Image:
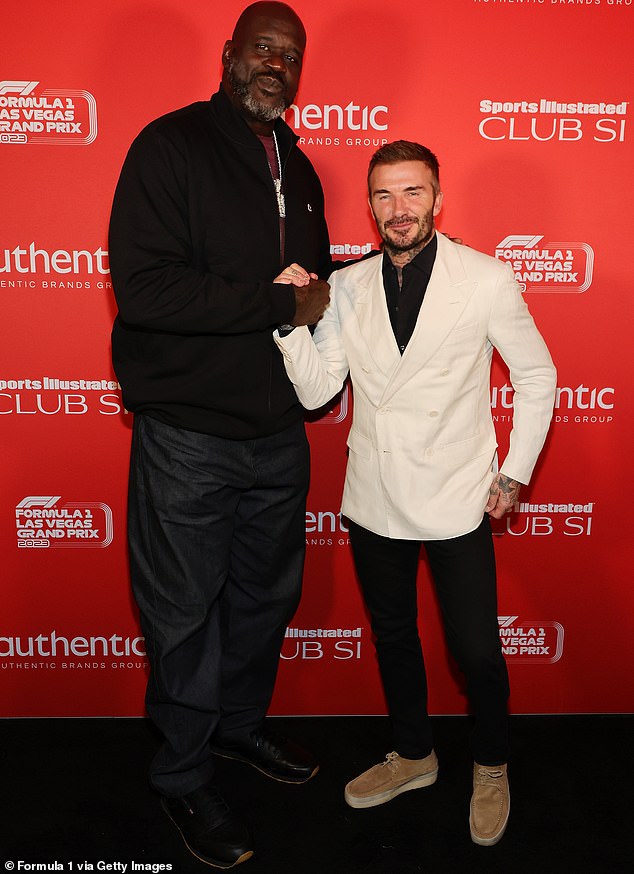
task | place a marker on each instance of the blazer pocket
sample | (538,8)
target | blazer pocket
(461,334)
(359,444)
(457,454)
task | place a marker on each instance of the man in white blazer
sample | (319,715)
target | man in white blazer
(416,327)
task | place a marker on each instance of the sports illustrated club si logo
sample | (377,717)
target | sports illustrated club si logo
(314,644)
(52,396)
(30,114)
(350,250)
(543,520)
(531,642)
(548,119)
(43,522)
(547,267)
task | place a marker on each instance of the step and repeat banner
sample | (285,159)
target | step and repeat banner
(528,104)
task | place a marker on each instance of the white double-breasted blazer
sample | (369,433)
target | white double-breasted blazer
(422,445)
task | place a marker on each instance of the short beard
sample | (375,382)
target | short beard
(257,110)
(415,246)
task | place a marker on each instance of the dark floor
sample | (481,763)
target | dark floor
(75,791)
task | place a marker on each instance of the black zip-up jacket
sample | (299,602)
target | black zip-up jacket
(194,246)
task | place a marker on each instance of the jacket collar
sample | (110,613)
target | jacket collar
(235,127)
(447,294)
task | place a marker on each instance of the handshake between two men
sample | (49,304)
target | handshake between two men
(312,295)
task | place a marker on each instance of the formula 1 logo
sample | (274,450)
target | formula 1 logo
(547,267)
(50,116)
(531,642)
(10,86)
(42,522)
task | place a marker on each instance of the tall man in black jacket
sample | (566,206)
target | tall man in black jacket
(213,201)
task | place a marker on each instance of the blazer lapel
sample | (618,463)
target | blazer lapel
(447,295)
(374,320)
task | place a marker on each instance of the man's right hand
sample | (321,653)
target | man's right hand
(310,302)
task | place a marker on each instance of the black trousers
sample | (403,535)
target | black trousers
(217,537)
(463,570)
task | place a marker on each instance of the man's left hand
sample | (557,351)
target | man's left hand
(503,495)
(295,275)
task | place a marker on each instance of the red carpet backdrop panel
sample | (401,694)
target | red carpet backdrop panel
(528,106)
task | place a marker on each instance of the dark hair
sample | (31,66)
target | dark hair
(404,150)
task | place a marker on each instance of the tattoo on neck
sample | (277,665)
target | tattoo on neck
(401,259)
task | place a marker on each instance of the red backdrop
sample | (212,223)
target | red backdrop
(528,105)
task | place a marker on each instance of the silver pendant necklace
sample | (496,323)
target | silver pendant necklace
(281,204)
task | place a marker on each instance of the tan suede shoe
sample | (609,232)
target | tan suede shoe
(490,804)
(385,781)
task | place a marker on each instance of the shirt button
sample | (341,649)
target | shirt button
(445,371)
(429,452)
(433,413)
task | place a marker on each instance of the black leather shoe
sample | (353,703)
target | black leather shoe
(271,754)
(210,830)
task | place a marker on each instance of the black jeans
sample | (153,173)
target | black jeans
(217,539)
(463,570)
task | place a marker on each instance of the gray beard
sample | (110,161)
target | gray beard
(257,110)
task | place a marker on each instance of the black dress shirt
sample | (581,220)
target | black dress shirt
(404,303)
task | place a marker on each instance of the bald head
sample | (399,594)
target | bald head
(262,63)
(267,9)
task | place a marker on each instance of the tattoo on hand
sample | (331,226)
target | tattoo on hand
(509,488)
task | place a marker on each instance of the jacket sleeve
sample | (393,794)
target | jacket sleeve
(316,365)
(513,333)
(157,284)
